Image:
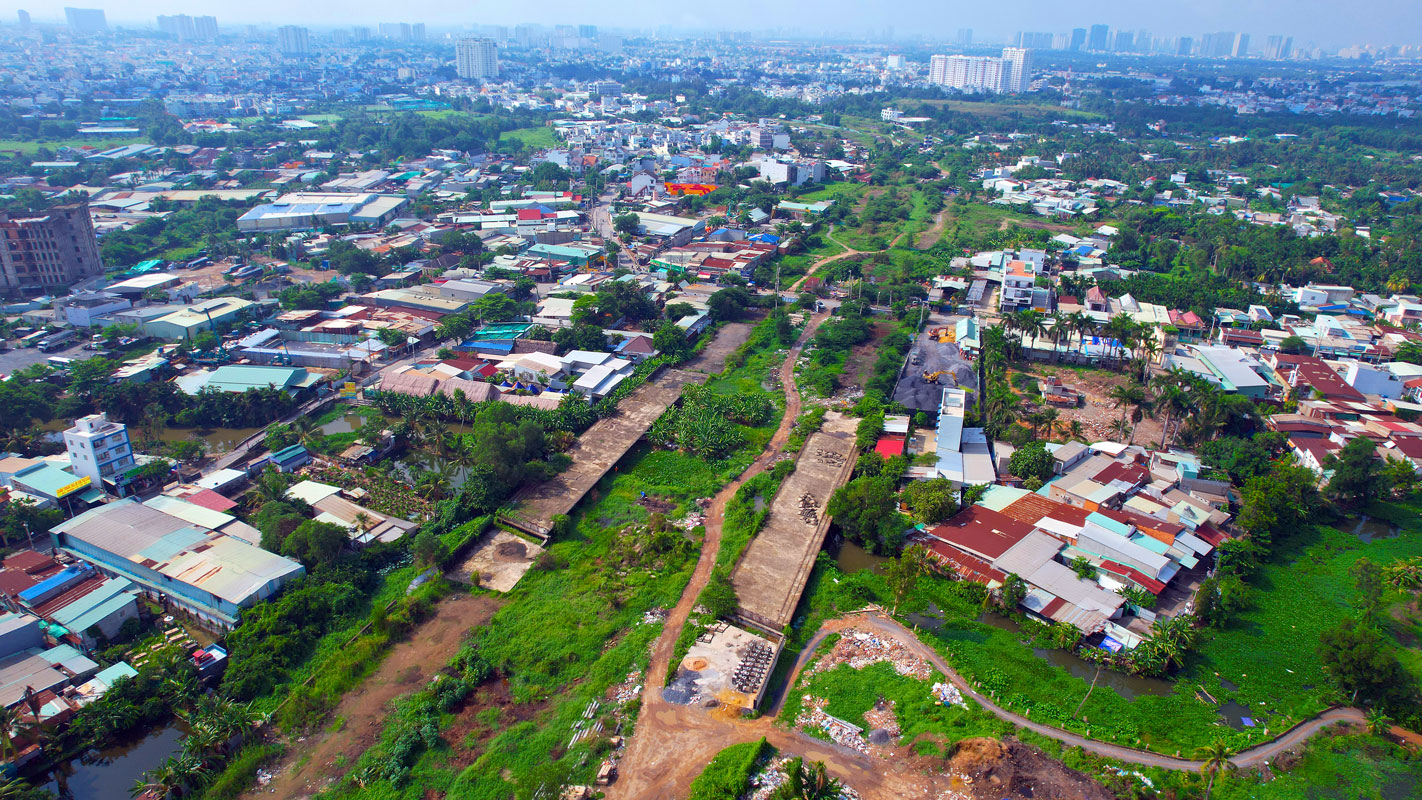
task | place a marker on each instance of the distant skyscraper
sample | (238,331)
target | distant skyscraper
(417,31)
(1078,39)
(399,31)
(24,19)
(206,27)
(965,36)
(1016,70)
(1035,41)
(1097,40)
(178,25)
(1277,47)
(293,40)
(360,33)
(84,21)
(1124,42)
(587,31)
(476,59)
(1185,46)
(1241,46)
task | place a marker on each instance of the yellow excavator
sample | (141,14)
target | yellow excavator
(932,377)
(944,335)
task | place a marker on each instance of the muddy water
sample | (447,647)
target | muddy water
(1128,686)
(1368,529)
(109,774)
(219,440)
(852,558)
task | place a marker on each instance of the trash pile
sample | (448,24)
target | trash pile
(764,783)
(628,690)
(809,509)
(948,695)
(690,521)
(859,649)
(263,777)
(654,615)
(839,731)
(882,718)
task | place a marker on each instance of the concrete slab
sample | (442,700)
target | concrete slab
(600,447)
(771,575)
(497,561)
(728,664)
(712,360)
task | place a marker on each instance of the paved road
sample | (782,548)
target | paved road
(1247,758)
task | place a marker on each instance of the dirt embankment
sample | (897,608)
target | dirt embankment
(325,757)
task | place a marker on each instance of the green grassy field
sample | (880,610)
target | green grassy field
(834,191)
(533,137)
(1344,767)
(981,109)
(30,147)
(1268,654)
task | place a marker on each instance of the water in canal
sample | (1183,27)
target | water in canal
(852,558)
(109,774)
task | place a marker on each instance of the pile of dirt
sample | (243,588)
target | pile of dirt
(993,770)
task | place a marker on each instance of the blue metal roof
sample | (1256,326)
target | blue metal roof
(53,582)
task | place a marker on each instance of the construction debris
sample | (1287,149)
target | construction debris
(948,695)
(809,509)
(840,732)
(859,649)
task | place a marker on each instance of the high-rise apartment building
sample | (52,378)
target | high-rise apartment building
(1016,70)
(85,21)
(399,31)
(968,73)
(1278,47)
(360,33)
(1098,38)
(98,448)
(24,17)
(293,40)
(1034,40)
(1185,46)
(1078,39)
(1241,46)
(476,59)
(1123,42)
(187,28)
(587,31)
(965,36)
(48,249)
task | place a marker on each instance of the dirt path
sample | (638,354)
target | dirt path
(848,251)
(1247,758)
(931,236)
(650,754)
(307,769)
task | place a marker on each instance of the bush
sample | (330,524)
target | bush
(729,773)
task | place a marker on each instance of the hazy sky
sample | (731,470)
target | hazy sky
(1326,22)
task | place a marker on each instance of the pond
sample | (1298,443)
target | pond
(1367,529)
(109,774)
(852,558)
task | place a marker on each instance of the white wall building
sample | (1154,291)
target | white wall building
(98,448)
(476,59)
(1017,69)
(968,73)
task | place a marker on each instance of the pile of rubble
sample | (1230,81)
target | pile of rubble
(840,732)
(859,649)
(690,521)
(882,718)
(653,616)
(809,509)
(948,695)
(628,690)
(772,776)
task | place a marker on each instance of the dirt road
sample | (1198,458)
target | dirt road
(646,769)
(1247,758)
(324,757)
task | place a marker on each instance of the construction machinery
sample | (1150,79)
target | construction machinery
(932,377)
(944,335)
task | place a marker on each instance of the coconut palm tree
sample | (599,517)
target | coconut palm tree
(807,782)
(1214,757)
(364,522)
(1076,431)
(8,720)
(1126,397)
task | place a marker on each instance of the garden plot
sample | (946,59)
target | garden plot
(498,560)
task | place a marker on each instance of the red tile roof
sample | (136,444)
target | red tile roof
(1136,576)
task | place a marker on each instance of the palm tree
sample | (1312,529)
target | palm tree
(1082,323)
(1125,397)
(271,486)
(8,720)
(1214,757)
(1030,323)
(363,521)
(1076,431)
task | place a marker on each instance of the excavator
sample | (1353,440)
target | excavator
(932,377)
(944,335)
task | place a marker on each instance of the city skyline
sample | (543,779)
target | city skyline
(1385,23)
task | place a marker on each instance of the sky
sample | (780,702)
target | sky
(1327,23)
